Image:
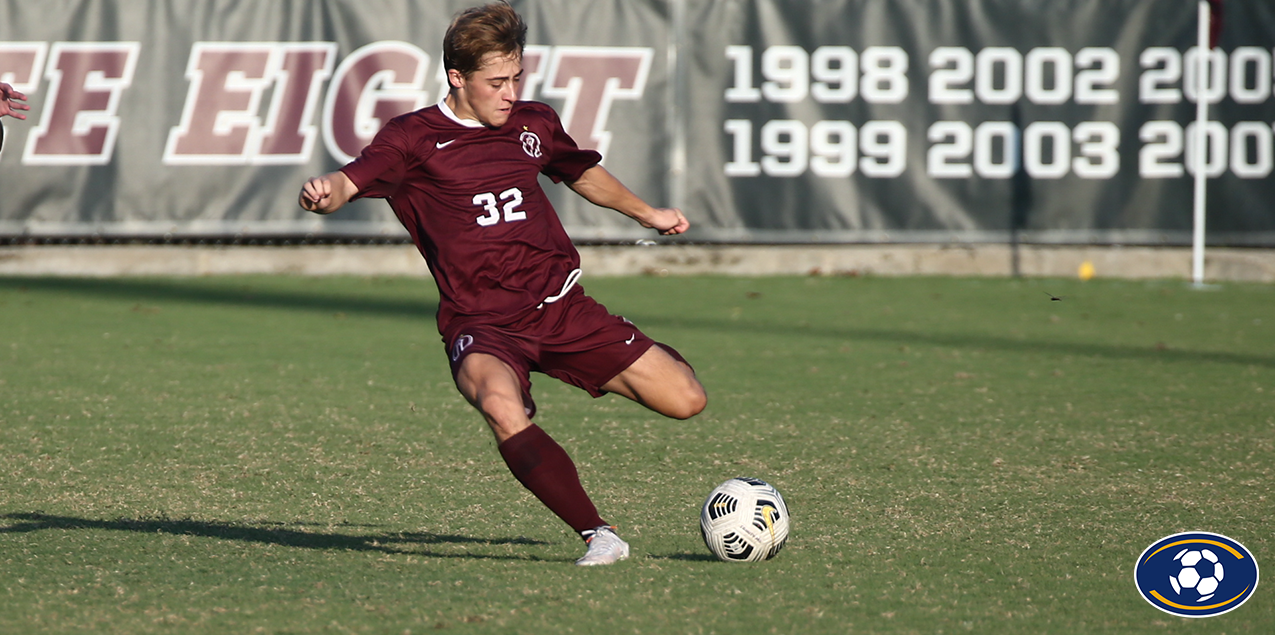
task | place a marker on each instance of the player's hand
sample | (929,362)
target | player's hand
(11,102)
(328,193)
(667,220)
(316,194)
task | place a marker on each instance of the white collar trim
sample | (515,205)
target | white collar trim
(469,123)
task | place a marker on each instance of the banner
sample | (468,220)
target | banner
(1061,121)
(184,118)
(1050,121)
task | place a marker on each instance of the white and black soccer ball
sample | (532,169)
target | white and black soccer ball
(1201,571)
(744,520)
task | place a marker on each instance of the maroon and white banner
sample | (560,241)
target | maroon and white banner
(194,117)
(767,120)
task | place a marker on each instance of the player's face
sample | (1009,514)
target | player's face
(489,93)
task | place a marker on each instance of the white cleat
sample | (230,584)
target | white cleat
(605,547)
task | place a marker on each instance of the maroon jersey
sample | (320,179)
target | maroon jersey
(470,198)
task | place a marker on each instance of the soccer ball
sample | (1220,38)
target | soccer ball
(1200,571)
(744,520)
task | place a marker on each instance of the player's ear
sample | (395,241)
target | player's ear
(455,78)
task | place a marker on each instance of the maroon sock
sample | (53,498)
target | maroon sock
(544,468)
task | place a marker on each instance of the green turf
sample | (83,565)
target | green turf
(288,455)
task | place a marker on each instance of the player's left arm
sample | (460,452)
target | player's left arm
(600,187)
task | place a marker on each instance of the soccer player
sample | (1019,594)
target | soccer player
(462,177)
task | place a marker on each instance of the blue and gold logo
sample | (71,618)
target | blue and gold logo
(1196,574)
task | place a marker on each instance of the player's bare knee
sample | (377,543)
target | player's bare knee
(505,416)
(500,406)
(691,402)
(505,430)
(698,400)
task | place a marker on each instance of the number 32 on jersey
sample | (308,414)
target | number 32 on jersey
(512,198)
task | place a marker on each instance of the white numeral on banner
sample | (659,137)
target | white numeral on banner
(1002,75)
(741,164)
(839,74)
(784,142)
(836,71)
(512,198)
(1100,70)
(993,144)
(833,144)
(787,73)
(1099,143)
(998,63)
(1169,151)
(1254,62)
(743,91)
(1163,141)
(1251,150)
(953,141)
(995,149)
(830,149)
(944,80)
(885,148)
(885,79)
(1164,67)
(1055,147)
(1170,76)
(1047,150)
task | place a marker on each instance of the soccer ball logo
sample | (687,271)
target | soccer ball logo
(744,520)
(1201,571)
(1196,574)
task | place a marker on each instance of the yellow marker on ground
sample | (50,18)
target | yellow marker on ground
(1086,270)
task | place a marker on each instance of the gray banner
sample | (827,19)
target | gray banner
(767,120)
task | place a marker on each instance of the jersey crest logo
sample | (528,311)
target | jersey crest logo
(530,144)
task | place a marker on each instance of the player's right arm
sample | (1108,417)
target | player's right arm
(328,193)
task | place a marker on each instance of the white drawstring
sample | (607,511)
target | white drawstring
(572,278)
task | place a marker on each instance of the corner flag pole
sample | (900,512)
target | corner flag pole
(1201,142)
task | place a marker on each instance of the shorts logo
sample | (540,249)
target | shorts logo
(530,144)
(460,345)
(1196,574)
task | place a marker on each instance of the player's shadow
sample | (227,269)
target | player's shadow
(685,557)
(296,535)
(228,292)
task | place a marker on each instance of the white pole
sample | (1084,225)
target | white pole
(1201,142)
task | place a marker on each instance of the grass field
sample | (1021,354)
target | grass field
(288,455)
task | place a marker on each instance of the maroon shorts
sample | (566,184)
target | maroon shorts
(575,340)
